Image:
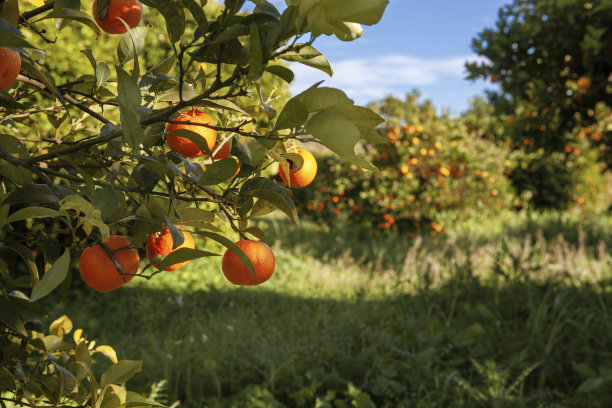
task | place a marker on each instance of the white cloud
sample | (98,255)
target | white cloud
(365,79)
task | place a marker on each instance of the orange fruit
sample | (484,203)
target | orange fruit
(98,270)
(10,67)
(162,242)
(223,152)
(494,77)
(583,82)
(183,145)
(261,257)
(303,176)
(129,11)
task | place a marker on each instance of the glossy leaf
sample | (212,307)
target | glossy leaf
(282,72)
(175,19)
(182,255)
(129,99)
(268,190)
(219,171)
(36,194)
(120,372)
(33,212)
(10,317)
(293,115)
(53,277)
(231,246)
(308,55)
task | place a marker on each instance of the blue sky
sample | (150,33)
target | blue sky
(420,44)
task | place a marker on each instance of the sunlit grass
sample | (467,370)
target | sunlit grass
(510,311)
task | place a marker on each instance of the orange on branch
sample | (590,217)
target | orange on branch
(261,257)
(129,11)
(184,146)
(99,271)
(583,82)
(161,243)
(9,67)
(303,176)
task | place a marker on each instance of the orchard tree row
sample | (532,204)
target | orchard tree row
(163,123)
(551,63)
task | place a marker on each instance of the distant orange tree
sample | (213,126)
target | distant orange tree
(552,63)
(432,169)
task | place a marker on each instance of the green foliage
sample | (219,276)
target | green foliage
(431,169)
(552,62)
(59,368)
(83,152)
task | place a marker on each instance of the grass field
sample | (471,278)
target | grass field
(514,311)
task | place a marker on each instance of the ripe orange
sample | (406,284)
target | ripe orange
(261,257)
(128,10)
(183,145)
(10,67)
(161,243)
(583,82)
(98,270)
(303,176)
(494,77)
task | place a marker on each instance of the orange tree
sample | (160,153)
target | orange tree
(552,62)
(84,160)
(432,169)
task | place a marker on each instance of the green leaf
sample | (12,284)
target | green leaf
(26,254)
(268,190)
(194,137)
(256,232)
(198,15)
(262,207)
(335,132)
(282,72)
(231,246)
(60,12)
(177,235)
(67,379)
(10,317)
(106,200)
(358,115)
(14,173)
(7,101)
(121,372)
(43,77)
(223,104)
(129,99)
(32,212)
(163,67)
(316,99)
(256,66)
(308,55)
(53,278)
(182,255)
(196,215)
(371,135)
(36,194)
(135,37)
(219,171)
(175,19)
(293,115)
(11,37)
(144,178)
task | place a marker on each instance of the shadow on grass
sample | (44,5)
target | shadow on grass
(468,342)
